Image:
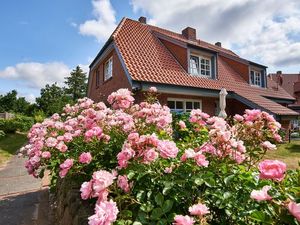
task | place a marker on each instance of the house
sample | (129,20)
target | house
(188,73)
(290,82)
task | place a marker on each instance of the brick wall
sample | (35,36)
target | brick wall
(117,81)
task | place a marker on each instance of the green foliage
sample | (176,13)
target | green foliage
(52,100)
(76,84)
(12,103)
(39,116)
(18,123)
(2,133)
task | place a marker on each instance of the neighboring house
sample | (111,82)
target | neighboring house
(188,73)
(290,83)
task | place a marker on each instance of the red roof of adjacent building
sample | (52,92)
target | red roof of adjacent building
(147,59)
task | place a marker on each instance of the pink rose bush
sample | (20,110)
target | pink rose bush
(141,164)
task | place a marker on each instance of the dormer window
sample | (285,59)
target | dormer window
(256,78)
(200,65)
(108,69)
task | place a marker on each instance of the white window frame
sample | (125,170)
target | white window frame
(257,79)
(199,69)
(108,67)
(183,100)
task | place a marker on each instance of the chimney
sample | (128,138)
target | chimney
(189,33)
(218,44)
(143,19)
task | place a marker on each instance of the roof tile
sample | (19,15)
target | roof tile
(147,59)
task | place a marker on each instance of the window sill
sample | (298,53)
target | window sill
(107,80)
(256,86)
(201,76)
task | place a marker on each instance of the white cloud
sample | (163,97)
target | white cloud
(265,31)
(36,75)
(28,96)
(104,23)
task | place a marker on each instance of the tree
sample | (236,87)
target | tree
(7,101)
(76,83)
(52,100)
(12,103)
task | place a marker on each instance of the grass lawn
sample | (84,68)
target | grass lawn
(288,153)
(10,144)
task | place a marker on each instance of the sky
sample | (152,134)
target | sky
(42,41)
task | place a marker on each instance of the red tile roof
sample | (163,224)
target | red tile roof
(147,59)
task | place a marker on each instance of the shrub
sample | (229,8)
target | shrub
(2,133)
(295,135)
(139,169)
(18,123)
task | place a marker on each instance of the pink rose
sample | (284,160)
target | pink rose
(272,169)
(85,157)
(51,142)
(105,213)
(123,183)
(168,170)
(86,190)
(198,210)
(183,220)
(61,146)
(294,209)
(65,167)
(261,195)
(46,155)
(101,180)
(167,149)
(181,124)
(238,117)
(201,160)
(152,89)
(268,145)
(150,155)
(188,154)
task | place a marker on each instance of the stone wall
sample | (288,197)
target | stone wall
(68,207)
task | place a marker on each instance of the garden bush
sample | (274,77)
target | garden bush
(2,133)
(138,165)
(18,123)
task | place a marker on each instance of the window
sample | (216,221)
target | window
(183,105)
(256,78)
(108,69)
(200,65)
(97,78)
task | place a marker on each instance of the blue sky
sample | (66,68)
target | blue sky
(41,41)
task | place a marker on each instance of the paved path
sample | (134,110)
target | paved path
(21,195)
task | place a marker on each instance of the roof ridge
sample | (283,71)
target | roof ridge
(197,40)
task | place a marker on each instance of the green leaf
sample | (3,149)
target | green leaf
(228,179)
(167,206)
(199,181)
(147,207)
(226,195)
(137,223)
(159,199)
(258,216)
(210,182)
(156,214)
(130,175)
(162,222)
(142,217)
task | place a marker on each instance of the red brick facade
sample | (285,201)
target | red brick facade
(105,88)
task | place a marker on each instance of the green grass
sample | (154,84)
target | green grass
(9,144)
(288,153)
